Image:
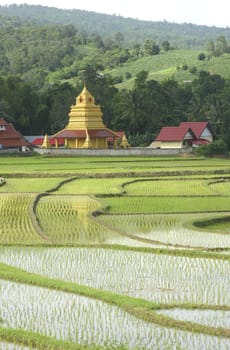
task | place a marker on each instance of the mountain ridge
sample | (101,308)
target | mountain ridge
(135,31)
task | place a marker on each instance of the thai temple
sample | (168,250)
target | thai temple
(85,128)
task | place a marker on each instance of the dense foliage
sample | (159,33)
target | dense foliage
(133,30)
(43,66)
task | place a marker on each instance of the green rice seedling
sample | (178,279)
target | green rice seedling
(221,187)
(168,187)
(40,165)
(213,318)
(86,321)
(26,184)
(93,186)
(136,205)
(155,277)
(64,219)
(15,224)
(171,229)
(218,223)
(11,346)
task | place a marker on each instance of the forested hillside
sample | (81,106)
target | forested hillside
(134,31)
(135,69)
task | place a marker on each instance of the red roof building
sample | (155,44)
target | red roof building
(202,130)
(38,141)
(187,134)
(9,137)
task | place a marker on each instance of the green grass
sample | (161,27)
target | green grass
(37,341)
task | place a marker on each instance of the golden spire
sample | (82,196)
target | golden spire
(87,143)
(85,114)
(124,142)
(46,142)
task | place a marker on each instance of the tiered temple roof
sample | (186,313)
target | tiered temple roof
(86,128)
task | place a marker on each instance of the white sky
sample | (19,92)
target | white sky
(208,12)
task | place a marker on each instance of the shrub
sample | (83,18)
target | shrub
(201,56)
(218,147)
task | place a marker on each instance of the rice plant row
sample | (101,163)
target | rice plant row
(213,318)
(91,165)
(93,186)
(15,223)
(11,346)
(85,321)
(222,187)
(138,205)
(155,277)
(29,184)
(65,219)
(172,229)
(169,187)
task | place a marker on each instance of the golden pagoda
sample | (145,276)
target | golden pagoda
(85,128)
(46,142)
(124,142)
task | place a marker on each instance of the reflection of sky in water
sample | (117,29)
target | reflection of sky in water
(211,318)
(169,229)
(9,346)
(84,320)
(156,277)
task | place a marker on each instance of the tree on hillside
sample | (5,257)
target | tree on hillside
(151,48)
(207,102)
(220,46)
(166,45)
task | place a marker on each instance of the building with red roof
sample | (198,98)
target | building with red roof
(186,135)
(202,130)
(10,137)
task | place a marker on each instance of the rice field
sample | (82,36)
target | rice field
(15,223)
(152,230)
(65,219)
(85,321)
(168,187)
(171,229)
(15,185)
(11,346)
(208,317)
(155,277)
(141,205)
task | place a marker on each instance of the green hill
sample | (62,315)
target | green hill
(134,31)
(176,64)
(47,45)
